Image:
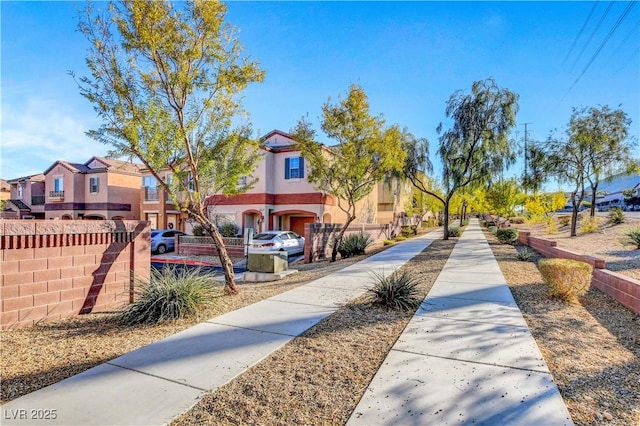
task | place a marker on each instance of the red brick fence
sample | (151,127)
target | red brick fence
(56,269)
(625,290)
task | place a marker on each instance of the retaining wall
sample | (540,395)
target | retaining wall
(624,289)
(203,246)
(56,269)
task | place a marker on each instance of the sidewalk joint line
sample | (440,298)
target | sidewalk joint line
(253,329)
(156,376)
(474,362)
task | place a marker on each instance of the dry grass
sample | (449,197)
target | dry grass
(592,348)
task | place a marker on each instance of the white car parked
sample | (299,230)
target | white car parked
(287,241)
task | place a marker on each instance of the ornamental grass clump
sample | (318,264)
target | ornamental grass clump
(525,253)
(616,216)
(354,244)
(632,238)
(507,235)
(566,279)
(589,224)
(396,291)
(454,231)
(168,295)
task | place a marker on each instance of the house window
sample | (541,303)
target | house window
(150,188)
(58,184)
(294,168)
(94,185)
(20,191)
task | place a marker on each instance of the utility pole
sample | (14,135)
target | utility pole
(525,151)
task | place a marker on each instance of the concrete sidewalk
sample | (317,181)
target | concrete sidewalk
(158,382)
(466,357)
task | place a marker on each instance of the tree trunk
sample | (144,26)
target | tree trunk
(574,214)
(338,240)
(594,189)
(225,260)
(446,220)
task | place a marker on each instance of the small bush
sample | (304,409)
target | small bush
(493,229)
(566,279)
(564,220)
(454,231)
(408,230)
(354,244)
(198,230)
(589,224)
(400,238)
(228,229)
(396,291)
(518,220)
(551,226)
(507,235)
(525,253)
(387,242)
(632,238)
(168,295)
(616,216)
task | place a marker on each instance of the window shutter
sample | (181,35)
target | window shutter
(286,168)
(301,167)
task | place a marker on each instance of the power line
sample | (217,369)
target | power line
(613,30)
(626,38)
(604,15)
(593,8)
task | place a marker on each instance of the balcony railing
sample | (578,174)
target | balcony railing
(56,194)
(37,200)
(151,193)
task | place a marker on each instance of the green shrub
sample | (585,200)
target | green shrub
(525,253)
(518,220)
(408,230)
(228,229)
(507,235)
(589,224)
(198,230)
(632,238)
(616,215)
(454,231)
(396,291)
(400,238)
(493,229)
(566,279)
(354,244)
(387,242)
(168,295)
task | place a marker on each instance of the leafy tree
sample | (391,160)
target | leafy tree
(475,148)
(604,134)
(420,203)
(364,154)
(504,196)
(165,80)
(539,206)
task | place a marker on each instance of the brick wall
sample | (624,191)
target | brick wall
(318,237)
(625,290)
(56,269)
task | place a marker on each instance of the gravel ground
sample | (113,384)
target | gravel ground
(319,377)
(592,349)
(605,243)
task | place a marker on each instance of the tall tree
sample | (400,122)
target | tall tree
(363,154)
(503,196)
(604,133)
(476,147)
(165,79)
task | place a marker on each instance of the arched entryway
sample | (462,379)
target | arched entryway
(252,219)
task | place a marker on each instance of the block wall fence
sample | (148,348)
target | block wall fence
(625,290)
(56,269)
(318,237)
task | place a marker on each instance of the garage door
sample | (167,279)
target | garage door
(297,224)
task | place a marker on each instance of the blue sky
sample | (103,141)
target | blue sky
(408,56)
